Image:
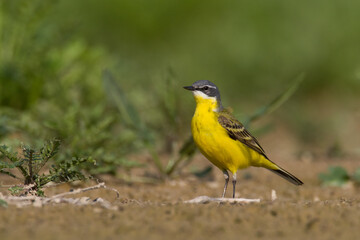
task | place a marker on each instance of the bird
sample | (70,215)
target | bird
(224,140)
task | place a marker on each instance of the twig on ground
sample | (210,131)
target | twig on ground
(59,198)
(206,199)
(52,184)
(80,190)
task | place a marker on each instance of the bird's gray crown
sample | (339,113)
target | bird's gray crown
(202,83)
(208,88)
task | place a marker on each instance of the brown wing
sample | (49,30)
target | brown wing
(238,132)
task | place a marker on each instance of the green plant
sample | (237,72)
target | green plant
(51,88)
(31,161)
(338,176)
(89,131)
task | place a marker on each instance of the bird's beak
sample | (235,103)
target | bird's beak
(190,88)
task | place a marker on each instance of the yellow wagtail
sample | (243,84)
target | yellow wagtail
(223,140)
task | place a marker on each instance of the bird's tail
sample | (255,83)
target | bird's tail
(286,175)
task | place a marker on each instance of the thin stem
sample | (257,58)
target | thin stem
(155,158)
(31,166)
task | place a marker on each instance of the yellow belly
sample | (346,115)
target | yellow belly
(215,144)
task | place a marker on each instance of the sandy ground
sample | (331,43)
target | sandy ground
(157,211)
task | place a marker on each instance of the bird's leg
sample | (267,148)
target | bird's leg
(234,183)
(226,176)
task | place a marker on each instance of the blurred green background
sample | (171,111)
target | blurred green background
(53,55)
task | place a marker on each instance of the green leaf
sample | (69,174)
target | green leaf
(49,149)
(66,171)
(277,102)
(116,94)
(186,153)
(336,176)
(15,190)
(8,173)
(40,193)
(3,203)
(47,152)
(356,176)
(14,159)
(169,99)
(10,155)
(128,112)
(6,165)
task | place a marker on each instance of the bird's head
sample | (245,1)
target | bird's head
(205,90)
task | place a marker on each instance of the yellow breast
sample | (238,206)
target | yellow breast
(214,142)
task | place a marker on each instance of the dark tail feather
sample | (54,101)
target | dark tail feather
(288,176)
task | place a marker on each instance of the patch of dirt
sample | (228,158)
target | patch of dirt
(157,211)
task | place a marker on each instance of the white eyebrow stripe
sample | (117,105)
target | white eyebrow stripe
(209,86)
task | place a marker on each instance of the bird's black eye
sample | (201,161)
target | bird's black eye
(205,88)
